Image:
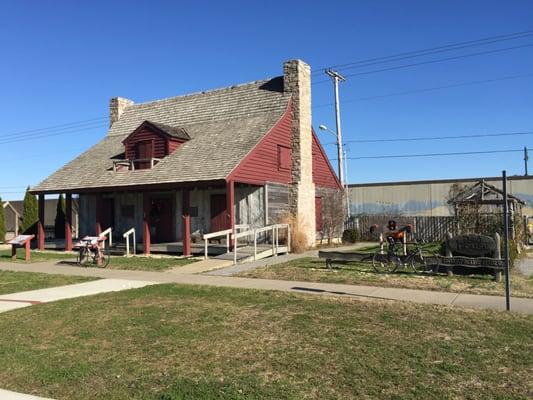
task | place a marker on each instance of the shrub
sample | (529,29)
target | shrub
(30,213)
(59,223)
(350,236)
(298,237)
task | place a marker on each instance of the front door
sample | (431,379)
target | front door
(318,214)
(219,221)
(108,213)
(161,220)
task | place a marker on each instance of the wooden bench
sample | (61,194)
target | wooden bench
(343,255)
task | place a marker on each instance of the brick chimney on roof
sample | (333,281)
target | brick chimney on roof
(117,105)
(297,82)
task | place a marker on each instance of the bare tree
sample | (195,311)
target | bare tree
(333,214)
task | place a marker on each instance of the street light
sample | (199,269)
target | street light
(343,168)
(339,151)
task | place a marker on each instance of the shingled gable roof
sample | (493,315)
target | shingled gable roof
(175,132)
(224,126)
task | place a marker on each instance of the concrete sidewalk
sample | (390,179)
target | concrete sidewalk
(24,299)
(417,296)
(8,395)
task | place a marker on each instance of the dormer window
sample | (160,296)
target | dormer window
(149,144)
(144,153)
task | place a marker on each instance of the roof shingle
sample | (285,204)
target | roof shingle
(224,126)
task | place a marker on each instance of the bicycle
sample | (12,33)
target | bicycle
(92,252)
(390,261)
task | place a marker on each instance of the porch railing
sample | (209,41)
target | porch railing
(226,232)
(109,236)
(127,236)
(130,164)
(274,229)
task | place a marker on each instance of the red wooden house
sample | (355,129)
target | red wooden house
(203,162)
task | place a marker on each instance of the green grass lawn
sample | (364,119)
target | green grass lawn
(117,262)
(170,342)
(35,256)
(359,273)
(12,282)
(148,263)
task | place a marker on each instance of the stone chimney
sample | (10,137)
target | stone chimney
(297,82)
(117,105)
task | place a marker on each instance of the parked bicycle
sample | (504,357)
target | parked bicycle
(391,260)
(92,252)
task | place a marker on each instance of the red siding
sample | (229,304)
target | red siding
(173,144)
(159,147)
(163,146)
(261,164)
(318,214)
(323,174)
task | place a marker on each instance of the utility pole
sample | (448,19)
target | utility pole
(346,185)
(336,79)
(526,158)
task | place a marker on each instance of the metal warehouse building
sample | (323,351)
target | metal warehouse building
(426,197)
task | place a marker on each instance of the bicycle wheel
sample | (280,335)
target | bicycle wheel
(84,257)
(385,263)
(418,262)
(106,257)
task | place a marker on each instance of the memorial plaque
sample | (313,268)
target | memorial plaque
(472,245)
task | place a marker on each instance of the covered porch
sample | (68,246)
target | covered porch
(163,219)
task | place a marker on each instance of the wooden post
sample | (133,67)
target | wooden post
(26,250)
(99,206)
(186,215)
(40,224)
(146,223)
(68,221)
(230,207)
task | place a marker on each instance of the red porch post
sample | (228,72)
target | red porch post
(40,223)
(146,222)
(68,222)
(230,208)
(99,206)
(186,236)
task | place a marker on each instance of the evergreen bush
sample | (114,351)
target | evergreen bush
(2,223)
(59,223)
(30,214)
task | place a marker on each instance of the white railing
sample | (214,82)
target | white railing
(207,236)
(127,236)
(226,233)
(130,164)
(255,232)
(109,236)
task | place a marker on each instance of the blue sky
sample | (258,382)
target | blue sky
(62,61)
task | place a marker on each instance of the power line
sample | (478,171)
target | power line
(57,127)
(432,61)
(429,51)
(469,83)
(429,138)
(46,135)
(436,154)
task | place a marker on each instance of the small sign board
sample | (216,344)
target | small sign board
(472,245)
(487,262)
(21,240)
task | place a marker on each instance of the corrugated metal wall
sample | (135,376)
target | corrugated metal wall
(425,197)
